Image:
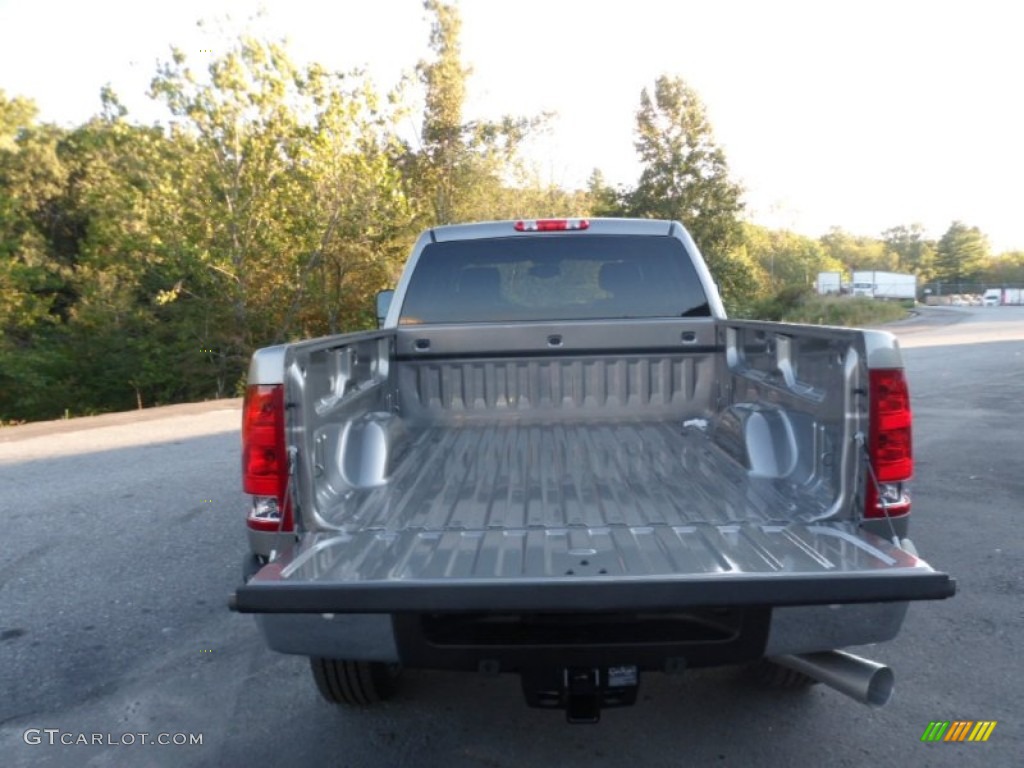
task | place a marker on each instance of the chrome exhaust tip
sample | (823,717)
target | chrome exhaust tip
(866,681)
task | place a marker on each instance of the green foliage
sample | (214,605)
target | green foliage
(461,171)
(910,251)
(1006,269)
(773,306)
(856,252)
(961,254)
(16,115)
(845,311)
(797,304)
(141,265)
(604,200)
(786,258)
(685,177)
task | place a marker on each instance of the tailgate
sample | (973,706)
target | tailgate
(655,567)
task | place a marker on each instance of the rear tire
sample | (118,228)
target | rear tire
(251,566)
(354,683)
(776,676)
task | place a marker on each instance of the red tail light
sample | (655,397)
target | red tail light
(550,225)
(890,445)
(264,458)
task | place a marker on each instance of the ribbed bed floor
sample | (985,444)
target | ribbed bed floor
(528,503)
(551,476)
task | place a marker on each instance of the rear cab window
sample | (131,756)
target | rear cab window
(553,277)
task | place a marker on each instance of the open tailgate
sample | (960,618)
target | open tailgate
(611,568)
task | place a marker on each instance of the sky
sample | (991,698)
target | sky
(863,115)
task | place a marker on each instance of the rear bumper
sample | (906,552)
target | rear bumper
(373,637)
(360,637)
(266,543)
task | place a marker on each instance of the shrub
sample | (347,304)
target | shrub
(801,305)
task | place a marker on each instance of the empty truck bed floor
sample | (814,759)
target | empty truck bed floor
(571,516)
(509,476)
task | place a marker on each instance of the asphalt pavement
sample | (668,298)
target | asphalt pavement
(123,537)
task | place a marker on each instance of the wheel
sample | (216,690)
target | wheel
(355,683)
(777,676)
(251,565)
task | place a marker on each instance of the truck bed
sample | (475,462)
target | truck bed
(507,477)
(618,515)
(612,480)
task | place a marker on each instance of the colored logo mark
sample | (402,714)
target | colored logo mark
(958,730)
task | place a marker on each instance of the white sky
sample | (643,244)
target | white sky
(859,114)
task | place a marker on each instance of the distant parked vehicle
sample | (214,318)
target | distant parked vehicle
(830,283)
(1004,296)
(884,285)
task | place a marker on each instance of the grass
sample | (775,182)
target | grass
(802,306)
(853,312)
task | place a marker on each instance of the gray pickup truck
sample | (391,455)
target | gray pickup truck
(557,458)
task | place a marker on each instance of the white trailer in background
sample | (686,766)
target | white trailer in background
(884,285)
(829,282)
(1011,296)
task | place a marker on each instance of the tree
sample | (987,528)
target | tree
(685,177)
(236,137)
(16,115)
(605,200)
(444,79)
(857,252)
(788,259)
(1006,269)
(37,256)
(362,220)
(463,168)
(129,347)
(141,265)
(291,211)
(961,255)
(910,251)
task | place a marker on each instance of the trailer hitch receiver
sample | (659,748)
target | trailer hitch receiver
(582,691)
